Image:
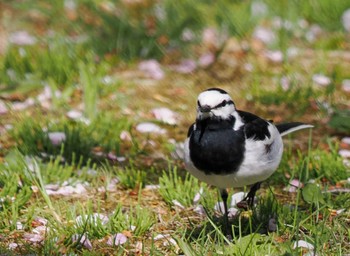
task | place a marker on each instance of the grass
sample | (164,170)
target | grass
(106,179)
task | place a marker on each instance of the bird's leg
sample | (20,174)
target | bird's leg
(248,201)
(228,231)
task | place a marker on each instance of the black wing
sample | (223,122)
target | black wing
(247,117)
(255,127)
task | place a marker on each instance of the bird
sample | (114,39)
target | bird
(230,148)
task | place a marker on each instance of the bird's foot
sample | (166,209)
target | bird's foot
(248,201)
(243,205)
(229,237)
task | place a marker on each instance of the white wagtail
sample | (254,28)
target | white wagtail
(227,147)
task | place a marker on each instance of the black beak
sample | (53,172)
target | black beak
(205,108)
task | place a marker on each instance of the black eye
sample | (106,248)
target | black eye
(198,104)
(224,103)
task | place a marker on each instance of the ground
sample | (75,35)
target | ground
(96,100)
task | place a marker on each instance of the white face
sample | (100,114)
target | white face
(215,102)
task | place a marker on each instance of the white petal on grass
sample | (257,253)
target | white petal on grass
(179,152)
(22,38)
(18,106)
(161,236)
(210,38)
(346,20)
(265,35)
(236,198)
(117,239)
(34,188)
(293,52)
(345,85)
(56,138)
(303,244)
(112,185)
(167,237)
(219,207)
(93,219)
(152,69)
(232,212)
(12,246)
(197,196)
(152,187)
(340,211)
(114,157)
(293,186)
(187,35)
(178,204)
(186,66)
(75,114)
(206,59)
(8,127)
(125,135)
(285,83)
(165,115)
(312,34)
(274,56)
(19,225)
(346,163)
(321,80)
(83,240)
(345,140)
(40,230)
(259,8)
(53,187)
(46,94)
(345,153)
(248,67)
(34,238)
(3,108)
(67,190)
(41,220)
(148,127)
(199,209)
(78,116)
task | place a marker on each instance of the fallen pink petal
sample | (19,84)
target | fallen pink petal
(75,114)
(152,69)
(3,108)
(34,238)
(237,197)
(206,60)
(117,239)
(346,85)
(345,153)
(22,38)
(303,244)
(346,20)
(150,128)
(274,56)
(83,240)
(321,80)
(12,246)
(57,138)
(186,66)
(166,115)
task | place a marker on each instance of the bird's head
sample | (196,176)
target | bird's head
(214,103)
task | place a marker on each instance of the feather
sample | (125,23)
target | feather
(287,128)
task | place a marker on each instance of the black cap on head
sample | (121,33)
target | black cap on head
(217,89)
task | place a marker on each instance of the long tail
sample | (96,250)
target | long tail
(292,127)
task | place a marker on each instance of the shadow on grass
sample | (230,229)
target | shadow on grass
(261,219)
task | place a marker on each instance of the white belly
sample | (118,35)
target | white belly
(256,166)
